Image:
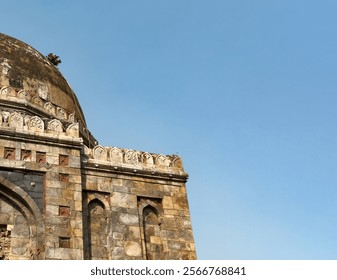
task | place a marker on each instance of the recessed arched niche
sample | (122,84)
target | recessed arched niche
(97,230)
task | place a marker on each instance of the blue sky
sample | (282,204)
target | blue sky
(243,91)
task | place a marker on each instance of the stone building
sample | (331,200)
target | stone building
(64,196)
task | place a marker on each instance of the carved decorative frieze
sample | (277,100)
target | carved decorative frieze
(7,91)
(41,99)
(176,162)
(24,95)
(116,155)
(36,124)
(55,125)
(73,130)
(99,153)
(162,160)
(50,108)
(72,118)
(147,158)
(15,120)
(61,113)
(33,124)
(38,101)
(131,157)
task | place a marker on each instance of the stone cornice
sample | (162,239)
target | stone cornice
(134,171)
(40,138)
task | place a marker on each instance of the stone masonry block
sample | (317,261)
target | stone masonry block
(52,210)
(167,202)
(123,200)
(128,219)
(133,249)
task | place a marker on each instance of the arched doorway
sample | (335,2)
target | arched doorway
(21,225)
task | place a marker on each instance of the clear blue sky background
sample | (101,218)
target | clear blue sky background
(244,91)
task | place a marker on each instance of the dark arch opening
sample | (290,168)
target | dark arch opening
(29,229)
(152,234)
(97,230)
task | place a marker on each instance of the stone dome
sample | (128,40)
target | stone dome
(26,71)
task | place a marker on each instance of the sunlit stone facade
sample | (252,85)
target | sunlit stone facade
(64,196)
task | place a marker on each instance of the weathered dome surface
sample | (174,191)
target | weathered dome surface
(22,68)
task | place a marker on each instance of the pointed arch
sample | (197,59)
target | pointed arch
(19,200)
(152,233)
(97,225)
(150,211)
